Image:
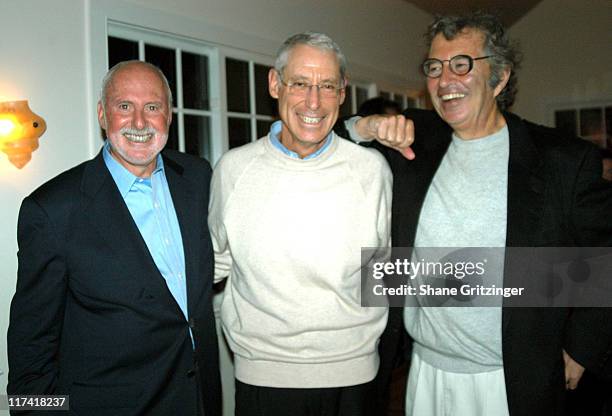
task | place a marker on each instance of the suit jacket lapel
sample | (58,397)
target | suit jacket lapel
(526,187)
(185,199)
(111,218)
(113,221)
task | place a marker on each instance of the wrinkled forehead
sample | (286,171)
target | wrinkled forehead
(306,60)
(136,79)
(468,41)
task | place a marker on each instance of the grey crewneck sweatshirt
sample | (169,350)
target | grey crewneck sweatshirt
(465,206)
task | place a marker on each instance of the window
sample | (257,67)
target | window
(356,94)
(250,108)
(403,100)
(591,122)
(188,66)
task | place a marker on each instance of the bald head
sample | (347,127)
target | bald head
(107,81)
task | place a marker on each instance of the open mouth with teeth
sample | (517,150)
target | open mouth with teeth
(138,138)
(310,120)
(452,96)
(138,135)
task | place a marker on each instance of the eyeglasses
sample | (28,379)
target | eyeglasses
(460,65)
(301,88)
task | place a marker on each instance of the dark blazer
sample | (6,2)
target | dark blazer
(556,197)
(92,316)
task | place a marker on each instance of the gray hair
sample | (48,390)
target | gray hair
(110,75)
(316,40)
(504,53)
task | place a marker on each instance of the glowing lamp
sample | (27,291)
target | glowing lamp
(20,129)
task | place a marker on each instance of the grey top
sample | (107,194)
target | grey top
(465,206)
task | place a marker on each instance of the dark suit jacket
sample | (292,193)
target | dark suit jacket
(556,198)
(92,316)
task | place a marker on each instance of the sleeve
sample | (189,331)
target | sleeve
(352,134)
(37,308)
(216,224)
(589,332)
(384,214)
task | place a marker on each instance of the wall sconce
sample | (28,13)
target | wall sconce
(20,129)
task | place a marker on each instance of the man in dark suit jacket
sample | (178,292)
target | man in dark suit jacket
(553,194)
(113,300)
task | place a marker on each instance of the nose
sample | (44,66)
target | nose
(447,75)
(313,99)
(139,119)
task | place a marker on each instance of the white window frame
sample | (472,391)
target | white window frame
(251,58)
(146,36)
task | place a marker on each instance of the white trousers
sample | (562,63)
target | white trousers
(433,392)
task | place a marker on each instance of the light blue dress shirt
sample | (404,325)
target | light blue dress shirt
(275,130)
(150,204)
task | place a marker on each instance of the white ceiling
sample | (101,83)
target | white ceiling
(509,11)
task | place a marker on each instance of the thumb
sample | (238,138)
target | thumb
(407,152)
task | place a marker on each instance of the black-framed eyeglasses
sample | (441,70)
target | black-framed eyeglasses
(301,88)
(460,65)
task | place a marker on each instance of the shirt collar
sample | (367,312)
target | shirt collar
(123,177)
(275,130)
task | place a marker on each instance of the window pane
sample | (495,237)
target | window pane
(121,50)
(362,95)
(173,134)
(164,59)
(346,108)
(197,136)
(263,127)
(195,81)
(239,130)
(237,78)
(264,103)
(591,125)
(566,121)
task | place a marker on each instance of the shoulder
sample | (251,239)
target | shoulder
(550,142)
(191,165)
(366,161)
(239,157)
(59,197)
(62,188)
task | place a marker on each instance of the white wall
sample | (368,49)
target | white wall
(42,60)
(566,46)
(52,53)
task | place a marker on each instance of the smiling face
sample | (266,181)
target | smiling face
(466,102)
(136,118)
(307,118)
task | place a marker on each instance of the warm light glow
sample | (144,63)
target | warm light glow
(20,129)
(6,127)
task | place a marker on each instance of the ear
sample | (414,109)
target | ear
(342,95)
(169,116)
(273,83)
(101,118)
(505,76)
